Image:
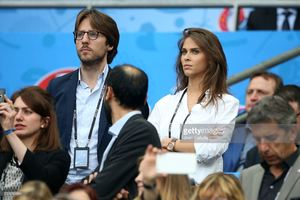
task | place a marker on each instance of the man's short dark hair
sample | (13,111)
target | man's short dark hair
(272,109)
(130,85)
(268,75)
(290,93)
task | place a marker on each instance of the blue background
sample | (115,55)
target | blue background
(35,42)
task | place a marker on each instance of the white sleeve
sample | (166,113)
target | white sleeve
(223,119)
(154,117)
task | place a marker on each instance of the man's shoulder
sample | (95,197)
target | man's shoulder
(61,79)
(139,121)
(59,84)
(138,125)
(252,170)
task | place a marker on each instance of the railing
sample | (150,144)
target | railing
(235,4)
(147,3)
(261,67)
(264,65)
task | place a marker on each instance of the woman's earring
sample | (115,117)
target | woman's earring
(42,126)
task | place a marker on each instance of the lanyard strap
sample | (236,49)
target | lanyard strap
(175,112)
(93,122)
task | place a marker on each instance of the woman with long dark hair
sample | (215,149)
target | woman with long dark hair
(200,116)
(30,148)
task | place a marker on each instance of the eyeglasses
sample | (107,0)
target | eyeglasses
(92,35)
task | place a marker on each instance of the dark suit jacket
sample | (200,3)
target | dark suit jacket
(251,179)
(50,167)
(266,19)
(120,168)
(231,157)
(63,89)
(252,157)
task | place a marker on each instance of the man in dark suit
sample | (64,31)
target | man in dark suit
(291,93)
(126,91)
(261,84)
(78,95)
(273,124)
(268,18)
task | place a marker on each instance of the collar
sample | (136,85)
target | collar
(287,163)
(115,129)
(281,11)
(103,74)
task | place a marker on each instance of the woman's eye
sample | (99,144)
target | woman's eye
(183,52)
(27,112)
(195,51)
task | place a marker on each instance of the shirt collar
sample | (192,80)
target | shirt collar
(281,11)
(118,125)
(102,74)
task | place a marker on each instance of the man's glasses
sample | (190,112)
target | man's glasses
(92,35)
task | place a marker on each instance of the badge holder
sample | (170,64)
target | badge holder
(81,157)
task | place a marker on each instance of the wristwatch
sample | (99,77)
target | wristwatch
(171,145)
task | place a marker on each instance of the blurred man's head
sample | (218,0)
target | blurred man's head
(272,122)
(129,85)
(127,88)
(291,93)
(261,84)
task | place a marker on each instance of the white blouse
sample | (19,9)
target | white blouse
(208,149)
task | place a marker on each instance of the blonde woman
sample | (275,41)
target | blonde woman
(34,190)
(219,186)
(157,186)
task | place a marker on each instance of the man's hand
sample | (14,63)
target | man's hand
(123,194)
(90,178)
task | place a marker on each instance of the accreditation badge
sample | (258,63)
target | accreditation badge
(81,157)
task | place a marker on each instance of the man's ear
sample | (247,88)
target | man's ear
(110,48)
(145,100)
(109,93)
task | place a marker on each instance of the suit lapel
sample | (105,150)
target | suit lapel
(70,100)
(103,136)
(289,181)
(257,179)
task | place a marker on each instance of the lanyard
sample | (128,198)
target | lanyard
(93,122)
(175,112)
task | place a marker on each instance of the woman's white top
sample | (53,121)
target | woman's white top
(209,146)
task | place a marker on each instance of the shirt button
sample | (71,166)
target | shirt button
(272,187)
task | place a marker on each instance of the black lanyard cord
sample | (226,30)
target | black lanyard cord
(183,123)
(175,112)
(94,118)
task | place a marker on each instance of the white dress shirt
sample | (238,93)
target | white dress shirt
(281,17)
(209,153)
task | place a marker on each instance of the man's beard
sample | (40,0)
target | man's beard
(108,111)
(90,61)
